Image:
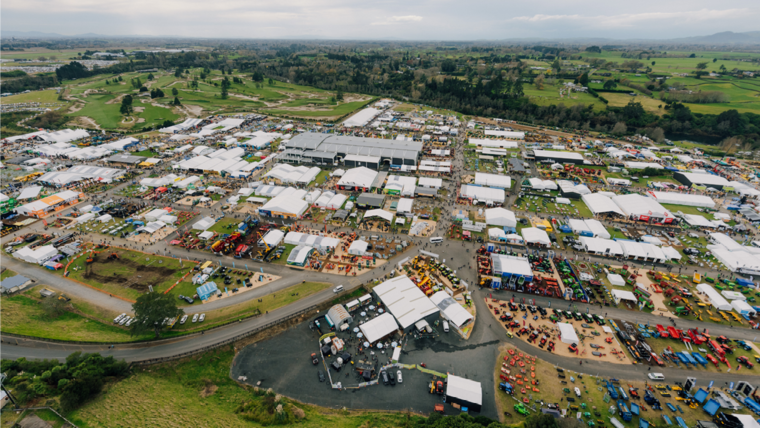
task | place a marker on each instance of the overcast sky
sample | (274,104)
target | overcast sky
(379,19)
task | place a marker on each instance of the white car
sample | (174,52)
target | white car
(203,317)
(129,322)
(656,376)
(195,317)
(577,392)
(119,318)
(124,320)
(183,319)
(399,379)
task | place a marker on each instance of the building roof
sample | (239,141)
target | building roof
(704,179)
(500,217)
(511,264)
(370,198)
(362,117)
(134,160)
(455,312)
(379,327)
(535,235)
(505,134)
(599,204)
(358,177)
(557,155)
(13,282)
(346,145)
(299,254)
(635,204)
(385,215)
(485,194)
(493,180)
(464,389)
(405,300)
(683,199)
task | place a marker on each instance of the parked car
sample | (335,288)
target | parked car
(399,378)
(202,317)
(321,376)
(183,319)
(195,318)
(384,376)
(314,359)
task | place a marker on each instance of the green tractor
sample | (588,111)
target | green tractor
(520,408)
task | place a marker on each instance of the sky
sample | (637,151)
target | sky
(383,19)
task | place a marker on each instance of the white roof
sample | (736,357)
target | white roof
(336,201)
(204,223)
(505,134)
(430,182)
(615,279)
(638,205)
(558,156)
(404,205)
(641,250)
(483,194)
(733,295)
(298,254)
(120,144)
(642,165)
(742,307)
(206,235)
(500,217)
(736,260)
(496,234)
(464,389)
(377,328)
(503,263)
(535,235)
(453,311)
(726,241)
(599,245)
(493,180)
(273,237)
(358,177)
(671,253)
(683,199)
(706,179)
(358,247)
(379,213)
(623,295)
(38,255)
(316,241)
(362,117)
(715,298)
(597,228)
(484,142)
(405,300)
(30,192)
(699,221)
(567,331)
(599,204)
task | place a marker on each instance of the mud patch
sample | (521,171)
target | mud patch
(126,273)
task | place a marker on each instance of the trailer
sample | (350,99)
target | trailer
(699,359)
(624,413)
(711,407)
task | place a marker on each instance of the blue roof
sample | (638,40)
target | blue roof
(14,281)
(207,288)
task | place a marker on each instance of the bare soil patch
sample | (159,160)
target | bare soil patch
(139,109)
(102,271)
(116,100)
(75,108)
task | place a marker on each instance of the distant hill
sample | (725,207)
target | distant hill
(725,37)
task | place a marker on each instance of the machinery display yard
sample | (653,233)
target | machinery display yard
(527,323)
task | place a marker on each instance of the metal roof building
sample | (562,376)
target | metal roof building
(406,302)
(390,152)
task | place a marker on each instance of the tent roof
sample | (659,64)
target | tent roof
(405,300)
(464,389)
(535,235)
(599,203)
(388,216)
(568,333)
(453,310)
(624,295)
(377,328)
(500,217)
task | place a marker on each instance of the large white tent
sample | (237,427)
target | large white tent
(567,332)
(716,300)
(451,310)
(601,204)
(616,279)
(500,217)
(743,307)
(385,215)
(488,195)
(601,246)
(493,180)
(683,199)
(620,295)
(640,206)
(377,328)
(534,235)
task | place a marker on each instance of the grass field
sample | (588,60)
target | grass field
(7,274)
(49,96)
(549,95)
(23,314)
(199,392)
(337,111)
(130,275)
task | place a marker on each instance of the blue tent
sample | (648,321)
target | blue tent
(207,290)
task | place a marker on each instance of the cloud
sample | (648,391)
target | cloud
(394,20)
(631,19)
(407,18)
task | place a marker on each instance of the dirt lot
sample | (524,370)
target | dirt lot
(547,327)
(108,272)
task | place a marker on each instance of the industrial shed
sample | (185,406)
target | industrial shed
(642,208)
(299,255)
(478,194)
(455,313)
(601,204)
(558,157)
(391,152)
(601,246)
(379,328)
(534,235)
(339,316)
(406,302)
(319,242)
(500,217)
(357,179)
(701,180)
(493,180)
(370,200)
(716,300)
(355,161)
(686,199)
(464,392)
(508,266)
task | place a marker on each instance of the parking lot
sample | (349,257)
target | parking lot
(283,363)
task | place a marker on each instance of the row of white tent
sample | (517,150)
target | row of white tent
(629,249)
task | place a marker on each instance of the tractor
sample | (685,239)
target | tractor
(113,256)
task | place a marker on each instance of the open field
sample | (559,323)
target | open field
(550,95)
(130,275)
(335,112)
(47,96)
(199,392)
(23,314)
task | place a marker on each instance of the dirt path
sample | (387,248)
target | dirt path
(116,100)
(75,108)
(89,121)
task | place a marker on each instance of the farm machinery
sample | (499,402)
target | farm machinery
(227,244)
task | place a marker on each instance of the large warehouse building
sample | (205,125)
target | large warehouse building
(701,180)
(558,157)
(407,303)
(311,147)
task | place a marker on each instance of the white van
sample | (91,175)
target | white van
(436,240)
(338,289)
(656,376)
(445,326)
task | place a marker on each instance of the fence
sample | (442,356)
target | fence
(224,342)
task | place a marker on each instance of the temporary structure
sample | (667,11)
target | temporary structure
(534,235)
(715,298)
(567,332)
(500,217)
(616,279)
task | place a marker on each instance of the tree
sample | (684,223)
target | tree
(594,49)
(620,128)
(150,76)
(156,93)
(583,79)
(715,59)
(143,89)
(448,66)
(53,307)
(257,76)
(653,63)
(610,84)
(176,101)
(175,92)
(701,66)
(539,82)
(541,420)
(657,134)
(271,82)
(126,105)
(556,66)
(632,65)
(151,310)
(178,72)
(339,94)
(225,88)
